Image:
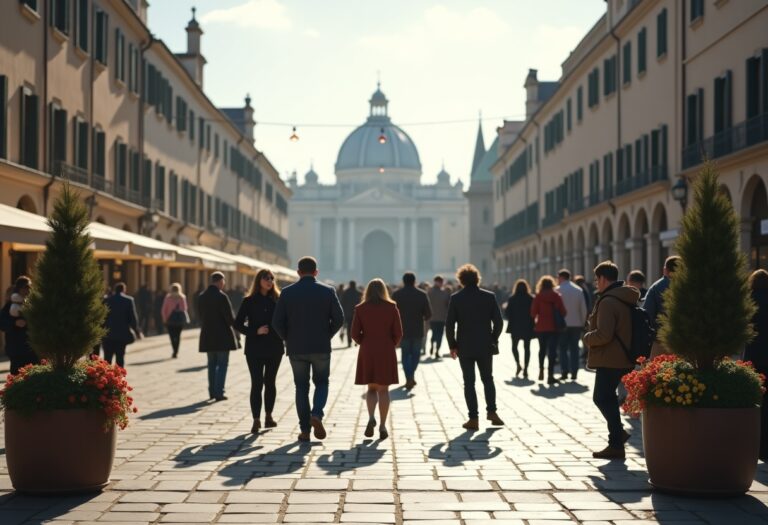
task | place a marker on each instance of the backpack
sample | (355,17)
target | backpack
(643,334)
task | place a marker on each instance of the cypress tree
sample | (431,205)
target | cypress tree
(65,311)
(708,303)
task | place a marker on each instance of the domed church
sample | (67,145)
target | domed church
(378,219)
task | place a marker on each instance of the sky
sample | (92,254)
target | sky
(317,62)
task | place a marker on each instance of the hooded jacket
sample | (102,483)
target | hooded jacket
(610,319)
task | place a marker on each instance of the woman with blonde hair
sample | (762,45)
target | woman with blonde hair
(376,327)
(175,313)
(263,347)
(548,311)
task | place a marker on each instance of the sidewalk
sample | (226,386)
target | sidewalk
(187,460)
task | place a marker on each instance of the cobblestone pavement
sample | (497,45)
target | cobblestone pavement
(187,460)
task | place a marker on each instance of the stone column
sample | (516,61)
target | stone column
(654,255)
(620,257)
(401,244)
(636,255)
(351,254)
(316,240)
(745,235)
(414,246)
(339,262)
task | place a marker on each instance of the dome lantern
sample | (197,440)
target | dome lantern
(378,103)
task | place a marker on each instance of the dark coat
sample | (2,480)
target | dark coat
(214,310)
(349,299)
(479,321)
(307,316)
(121,319)
(414,310)
(518,313)
(757,350)
(255,311)
(16,338)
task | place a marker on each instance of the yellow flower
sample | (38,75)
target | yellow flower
(715,397)
(679,399)
(667,399)
(658,392)
(682,376)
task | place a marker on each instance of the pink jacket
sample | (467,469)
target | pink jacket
(170,303)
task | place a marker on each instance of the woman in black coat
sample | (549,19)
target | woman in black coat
(263,347)
(520,322)
(757,350)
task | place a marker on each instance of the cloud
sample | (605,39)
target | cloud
(263,14)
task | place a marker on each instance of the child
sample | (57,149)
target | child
(17,303)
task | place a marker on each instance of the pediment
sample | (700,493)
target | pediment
(378,196)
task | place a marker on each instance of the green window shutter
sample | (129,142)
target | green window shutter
(641,48)
(3,117)
(661,33)
(579,103)
(627,65)
(764,79)
(81,133)
(81,20)
(619,164)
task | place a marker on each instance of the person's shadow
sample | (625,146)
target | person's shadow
(461,448)
(175,411)
(216,451)
(339,461)
(519,381)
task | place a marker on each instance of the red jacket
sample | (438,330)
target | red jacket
(542,310)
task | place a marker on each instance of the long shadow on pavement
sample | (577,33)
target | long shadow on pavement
(191,369)
(176,411)
(467,446)
(360,456)
(280,461)
(559,390)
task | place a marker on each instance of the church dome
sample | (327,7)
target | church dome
(365,149)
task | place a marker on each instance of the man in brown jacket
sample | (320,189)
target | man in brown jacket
(610,320)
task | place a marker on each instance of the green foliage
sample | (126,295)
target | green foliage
(708,304)
(65,311)
(45,388)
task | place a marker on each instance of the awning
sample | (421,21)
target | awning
(287,274)
(207,260)
(243,260)
(138,245)
(19,226)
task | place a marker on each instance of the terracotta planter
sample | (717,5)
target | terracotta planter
(701,450)
(58,451)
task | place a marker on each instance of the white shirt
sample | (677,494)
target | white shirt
(575,305)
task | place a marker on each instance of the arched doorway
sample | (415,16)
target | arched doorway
(27,204)
(379,257)
(659,250)
(758,210)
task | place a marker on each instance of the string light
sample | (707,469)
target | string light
(382,137)
(294,137)
(381,169)
(401,124)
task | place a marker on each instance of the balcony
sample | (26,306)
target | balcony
(739,137)
(553,218)
(654,174)
(69,172)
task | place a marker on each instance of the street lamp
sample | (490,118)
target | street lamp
(149,222)
(680,192)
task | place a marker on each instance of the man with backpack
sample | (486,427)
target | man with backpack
(609,340)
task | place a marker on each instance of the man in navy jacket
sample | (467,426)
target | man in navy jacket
(121,323)
(307,316)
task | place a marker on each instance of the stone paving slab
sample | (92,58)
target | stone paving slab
(185,459)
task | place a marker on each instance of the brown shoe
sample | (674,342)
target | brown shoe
(494,418)
(471,424)
(256,427)
(610,453)
(269,422)
(317,426)
(304,436)
(369,428)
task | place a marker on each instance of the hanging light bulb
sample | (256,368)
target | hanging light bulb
(382,137)
(294,137)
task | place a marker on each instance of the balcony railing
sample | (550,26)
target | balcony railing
(641,180)
(69,172)
(731,140)
(99,182)
(553,218)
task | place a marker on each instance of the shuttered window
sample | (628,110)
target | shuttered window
(160,185)
(58,135)
(119,55)
(121,164)
(81,132)
(173,195)
(626,65)
(579,103)
(81,24)
(723,102)
(3,117)
(661,33)
(697,9)
(99,153)
(101,36)
(60,15)
(694,115)
(642,38)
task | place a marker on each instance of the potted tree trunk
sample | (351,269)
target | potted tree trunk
(700,409)
(61,414)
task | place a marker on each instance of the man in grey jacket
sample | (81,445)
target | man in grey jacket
(575,317)
(438,299)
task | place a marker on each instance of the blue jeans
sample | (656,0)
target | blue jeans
(569,350)
(217,373)
(411,348)
(320,367)
(437,332)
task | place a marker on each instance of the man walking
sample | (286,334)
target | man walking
(349,299)
(121,323)
(439,298)
(610,323)
(654,301)
(479,321)
(575,316)
(414,311)
(307,316)
(217,334)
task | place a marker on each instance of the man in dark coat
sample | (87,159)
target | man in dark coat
(478,317)
(121,323)
(349,299)
(307,316)
(217,333)
(15,328)
(144,299)
(415,310)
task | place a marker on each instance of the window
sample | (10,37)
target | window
(60,15)
(121,164)
(3,117)
(201,132)
(642,37)
(208,137)
(226,154)
(757,86)
(101,30)
(568,114)
(268,192)
(723,102)
(185,200)
(81,132)
(594,179)
(579,103)
(81,24)
(119,55)
(216,146)
(99,153)
(697,9)
(609,70)
(593,88)
(192,203)
(173,195)
(133,68)
(628,161)
(619,165)
(191,126)
(694,118)
(608,174)
(627,62)
(181,114)
(208,211)
(58,135)
(32,4)
(135,173)
(661,33)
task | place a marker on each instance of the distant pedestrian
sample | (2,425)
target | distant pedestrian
(575,317)
(17,346)
(264,349)
(654,301)
(175,312)
(757,350)
(549,313)
(157,310)
(217,334)
(378,330)
(520,323)
(414,311)
(636,278)
(582,283)
(121,325)
(439,298)
(307,316)
(144,299)
(473,327)
(609,329)
(350,298)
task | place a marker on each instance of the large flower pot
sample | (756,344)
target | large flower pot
(59,451)
(701,450)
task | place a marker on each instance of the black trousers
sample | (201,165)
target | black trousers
(175,333)
(263,374)
(485,367)
(114,349)
(21,358)
(526,349)
(605,398)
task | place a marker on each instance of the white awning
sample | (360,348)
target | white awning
(243,260)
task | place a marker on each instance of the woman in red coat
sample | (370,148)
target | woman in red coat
(377,329)
(546,305)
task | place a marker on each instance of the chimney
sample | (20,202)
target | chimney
(532,102)
(193,60)
(248,123)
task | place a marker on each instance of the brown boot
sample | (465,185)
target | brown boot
(471,424)
(269,422)
(256,427)
(304,436)
(317,426)
(494,418)
(610,453)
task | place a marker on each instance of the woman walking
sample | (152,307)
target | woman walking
(549,313)
(175,314)
(263,347)
(376,327)
(520,323)
(757,350)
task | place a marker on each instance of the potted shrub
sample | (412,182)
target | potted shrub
(700,409)
(60,415)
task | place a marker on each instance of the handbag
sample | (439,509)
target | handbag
(559,319)
(178,317)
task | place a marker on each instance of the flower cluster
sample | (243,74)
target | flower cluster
(670,381)
(89,384)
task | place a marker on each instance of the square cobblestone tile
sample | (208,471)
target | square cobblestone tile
(153,497)
(269,484)
(321,484)
(186,517)
(367,518)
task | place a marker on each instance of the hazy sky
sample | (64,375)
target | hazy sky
(311,61)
